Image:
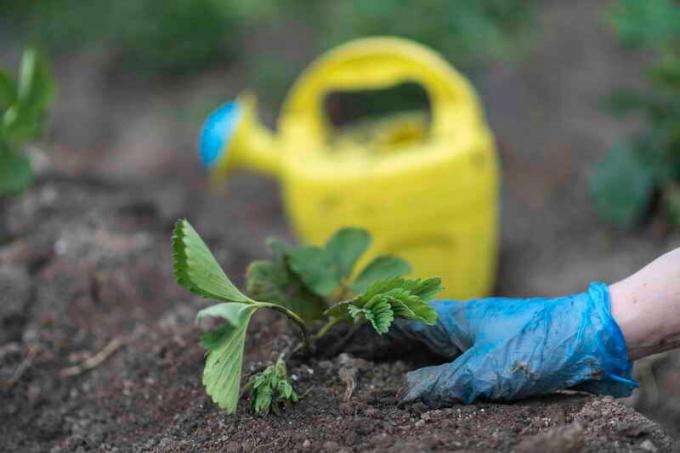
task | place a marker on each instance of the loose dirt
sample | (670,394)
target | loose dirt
(84,264)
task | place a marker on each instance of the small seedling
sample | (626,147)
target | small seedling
(23,108)
(270,390)
(310,285)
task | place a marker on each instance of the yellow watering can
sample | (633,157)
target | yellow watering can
(426,192)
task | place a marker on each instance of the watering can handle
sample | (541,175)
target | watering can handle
(374,63)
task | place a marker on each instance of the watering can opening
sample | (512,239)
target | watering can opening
(378,120)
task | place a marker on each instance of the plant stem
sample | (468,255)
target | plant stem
(293,317)
(326,327)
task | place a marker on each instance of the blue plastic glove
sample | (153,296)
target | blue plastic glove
(508,349)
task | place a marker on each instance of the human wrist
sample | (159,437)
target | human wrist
(624,311)
(638,318)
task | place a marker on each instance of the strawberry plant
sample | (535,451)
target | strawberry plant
(23,107)
(315,287)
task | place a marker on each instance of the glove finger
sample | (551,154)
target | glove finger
(441,384)
(449,337)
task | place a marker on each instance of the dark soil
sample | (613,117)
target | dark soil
(87,263)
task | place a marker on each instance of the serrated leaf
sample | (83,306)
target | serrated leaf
(197,270)
(415,309)
(317,269)
(16,173)
(346,246)
(423,288)
(263,400)
(378,312)
(407,299)
(272,281)
(622,186)
(381,268)
(224,357)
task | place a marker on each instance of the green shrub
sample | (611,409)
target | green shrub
(176,36)
(633,177)
(23,109)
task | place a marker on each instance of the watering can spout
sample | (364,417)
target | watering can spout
(232,136)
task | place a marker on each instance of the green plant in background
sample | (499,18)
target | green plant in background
(184,36)
(23,109)
(308,285)
(471,33)
(145,36)
(644,173)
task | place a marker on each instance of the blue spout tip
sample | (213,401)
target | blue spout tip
(217,131)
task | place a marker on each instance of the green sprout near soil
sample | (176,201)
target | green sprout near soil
(270,389)
(23,109)
(311,286)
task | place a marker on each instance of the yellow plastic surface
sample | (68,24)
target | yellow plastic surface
(433,202)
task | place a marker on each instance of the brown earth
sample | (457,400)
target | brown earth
(87,262)
(85,267)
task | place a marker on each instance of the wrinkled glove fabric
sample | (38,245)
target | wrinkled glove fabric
(509,349)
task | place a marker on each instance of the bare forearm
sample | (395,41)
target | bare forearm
(646,306)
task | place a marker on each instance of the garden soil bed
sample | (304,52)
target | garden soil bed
(85,281)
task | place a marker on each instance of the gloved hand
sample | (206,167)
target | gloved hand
(508,349)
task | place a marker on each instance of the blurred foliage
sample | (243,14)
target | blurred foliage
(644,173)
(470,33)
(23,109)
(467,31)
(155,36)
(177,36)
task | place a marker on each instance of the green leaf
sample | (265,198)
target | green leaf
(317,269)
(425,289)
(322,269)
(648,23)
(340,309)
(378,312)
(36,87)
(666,73)
(623,102)
(382,267)
(8,89)
(23,120)
(197,270)
(224,357)
(407,299)
(273,281)
(346,246)
(622,187)
(270,389)
(15,172)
